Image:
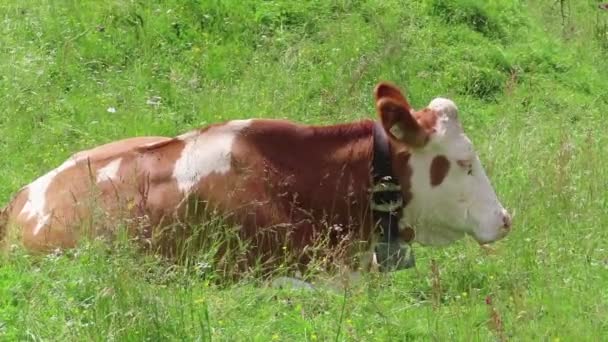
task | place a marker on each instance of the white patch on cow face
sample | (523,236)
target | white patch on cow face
(464,202)
(110,171)
(205,153)
(36,202)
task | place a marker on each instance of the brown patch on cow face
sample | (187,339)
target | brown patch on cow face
(403,171)
(439,169)
(427,119)
(407,234)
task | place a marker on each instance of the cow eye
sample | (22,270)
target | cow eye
(467,165)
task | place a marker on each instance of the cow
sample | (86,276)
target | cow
(283,185)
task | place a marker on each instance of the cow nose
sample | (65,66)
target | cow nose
(506,220)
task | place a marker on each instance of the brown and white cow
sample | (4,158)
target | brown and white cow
(284,184)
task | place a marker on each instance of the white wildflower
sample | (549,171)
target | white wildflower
(154,101)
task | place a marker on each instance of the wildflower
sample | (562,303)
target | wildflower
(337,227)
(154,101)
(111,110)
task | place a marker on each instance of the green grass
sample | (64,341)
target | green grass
(532,87)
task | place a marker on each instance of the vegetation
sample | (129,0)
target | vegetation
(530,79)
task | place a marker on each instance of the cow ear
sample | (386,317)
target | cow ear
(397,118)
(388,90)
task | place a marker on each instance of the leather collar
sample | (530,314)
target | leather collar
(387,206)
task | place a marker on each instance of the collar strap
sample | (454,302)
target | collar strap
(387,200)
(386,205)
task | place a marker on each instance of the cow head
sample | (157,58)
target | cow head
(445,187)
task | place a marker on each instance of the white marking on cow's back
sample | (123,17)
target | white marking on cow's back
(41,223)
(205,153)
(36,201)
(110,171)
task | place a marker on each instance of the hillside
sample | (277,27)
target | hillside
(531,82)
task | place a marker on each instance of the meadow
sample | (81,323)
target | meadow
(530,79)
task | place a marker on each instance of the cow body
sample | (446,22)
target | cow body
(285,185)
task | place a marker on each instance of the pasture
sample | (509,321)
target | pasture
(531,83)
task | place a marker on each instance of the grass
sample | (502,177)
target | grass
(532,87)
